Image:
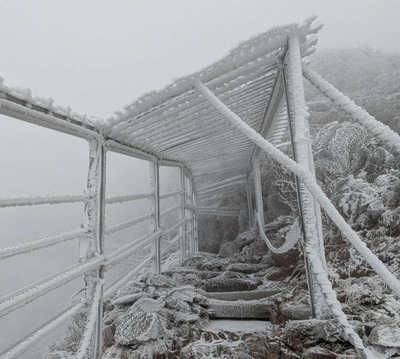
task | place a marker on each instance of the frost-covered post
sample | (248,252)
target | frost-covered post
(302,152)
(93,223)
(155,209)
(258,189)
(195,224)
(183,215)
(249,193)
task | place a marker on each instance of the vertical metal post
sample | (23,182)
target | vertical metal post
(155,192)
(195,225)
(301,146)
(183,215)
(249,192)
(258,188)
(93,222)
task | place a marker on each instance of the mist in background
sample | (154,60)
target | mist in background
(97,56)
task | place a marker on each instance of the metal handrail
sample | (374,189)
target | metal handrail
(42,199)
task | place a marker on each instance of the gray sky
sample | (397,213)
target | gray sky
(97,56)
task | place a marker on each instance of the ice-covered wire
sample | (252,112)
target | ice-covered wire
(356,112)
(291,239)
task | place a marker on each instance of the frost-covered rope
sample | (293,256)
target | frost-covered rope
(330,297)
(356,112)
(91,321)
(291,238)
(310,182)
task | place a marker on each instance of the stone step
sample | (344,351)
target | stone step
(239,309)
(245,295)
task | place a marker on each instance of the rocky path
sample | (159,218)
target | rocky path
(172,316)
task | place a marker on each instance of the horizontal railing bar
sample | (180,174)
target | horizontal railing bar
(127,277)
(170,194)
(217,184)
(169,210)
(233,209)
(129,150)
(36,335)
(127,250)
(38,200)
(26,247)
(219,213)
(221,188)
(30,293)
(128,198)
(122,225)
(175,227)
(170,243)
(65,125)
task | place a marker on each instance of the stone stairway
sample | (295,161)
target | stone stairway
(240,304)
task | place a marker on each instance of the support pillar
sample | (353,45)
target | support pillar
(302,153)
(258,188)
(155,209)
(93,222)
(194,218)
(183,249)
(249,193)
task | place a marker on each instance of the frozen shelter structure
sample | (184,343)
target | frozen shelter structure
(213,125)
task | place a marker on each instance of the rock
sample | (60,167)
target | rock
(130,288)
(303,334)
(240,309)
(108,336)
(318,353)
(147,305)
(244,295)
(176,302)
(159,280)
(294,311)
(138,327)
(129,299)
(228,249)
(245,268)
(286,259)
(278,273)
(386,335)
(222,284)
(259,346)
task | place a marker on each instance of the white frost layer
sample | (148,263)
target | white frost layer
(36,200)
(246,326)
(127,198)
(36,244)
(357,113)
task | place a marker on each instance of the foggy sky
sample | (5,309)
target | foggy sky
(97,56)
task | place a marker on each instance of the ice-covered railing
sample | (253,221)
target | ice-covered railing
(172,234)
